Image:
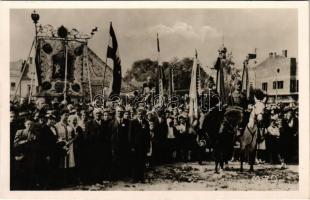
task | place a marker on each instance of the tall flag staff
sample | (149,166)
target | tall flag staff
(171,81)
(86,64)
(160,75)
(199,88)
(193,90)
(85,59)
(32,78)
(245,74)
(35,18)
(113,53)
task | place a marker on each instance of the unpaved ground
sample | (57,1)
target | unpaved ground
(194,177)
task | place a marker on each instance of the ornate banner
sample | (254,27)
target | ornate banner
(52,54)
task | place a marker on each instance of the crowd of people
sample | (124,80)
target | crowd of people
(54,145)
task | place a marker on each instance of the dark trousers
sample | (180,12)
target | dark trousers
(171,149)
(139,165)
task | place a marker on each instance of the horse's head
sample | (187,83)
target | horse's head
(259,109)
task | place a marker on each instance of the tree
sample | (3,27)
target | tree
(141,69)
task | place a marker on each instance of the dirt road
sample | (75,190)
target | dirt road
(194,177)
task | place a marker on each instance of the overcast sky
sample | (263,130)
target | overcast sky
(180,31)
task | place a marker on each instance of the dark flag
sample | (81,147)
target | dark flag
(160,74)
(38,60)
(113,54)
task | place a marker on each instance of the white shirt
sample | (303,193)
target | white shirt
(170,133)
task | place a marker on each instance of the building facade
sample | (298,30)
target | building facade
(97,69)
(23,90)
(277,76)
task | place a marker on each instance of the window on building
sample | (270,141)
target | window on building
(13,84)
(264,86)
(274,85)
(294,86)
(29,88)
(277,85)
(280,84)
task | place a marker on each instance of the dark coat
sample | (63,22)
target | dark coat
(140,136)
(119,136)
(47,141)
(97,141)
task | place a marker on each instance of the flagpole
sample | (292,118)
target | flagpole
(66,71)
(31,84)
(105,67)
(88,73)
(160,85)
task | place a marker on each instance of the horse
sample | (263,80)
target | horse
(252,132)
(224,140)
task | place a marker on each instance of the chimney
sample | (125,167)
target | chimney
(284,53)
(270,55)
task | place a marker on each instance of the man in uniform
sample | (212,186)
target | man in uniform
(237,98)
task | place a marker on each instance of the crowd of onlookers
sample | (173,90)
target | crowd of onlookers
(54,145)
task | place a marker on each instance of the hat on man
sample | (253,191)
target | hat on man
(106,110)
(97,110)
(182,116)
(287,109)
(120,108)
(50,114)
(141,109)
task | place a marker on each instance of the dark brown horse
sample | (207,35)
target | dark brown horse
(224,139)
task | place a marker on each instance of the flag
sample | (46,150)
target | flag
(160,74)
(113,53)
(199,88)
(220,83)
(38,60)
(171,81)
(245,79)
(193,91)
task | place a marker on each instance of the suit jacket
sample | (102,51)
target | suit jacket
(119,135)
(47,140)
(26,145)
(140,136)
(97,142)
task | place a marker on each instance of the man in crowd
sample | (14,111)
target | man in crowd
(139,144)
(119,129)
(97,143)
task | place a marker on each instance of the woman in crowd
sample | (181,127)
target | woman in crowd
(66,138)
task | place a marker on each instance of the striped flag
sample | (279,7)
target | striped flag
(113,54)
(160,74)
(193,90)
(245,79)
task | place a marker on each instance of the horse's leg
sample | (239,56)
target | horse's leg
(241,159)
(216,166)
(252,159)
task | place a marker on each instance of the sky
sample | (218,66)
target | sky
(181,31)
